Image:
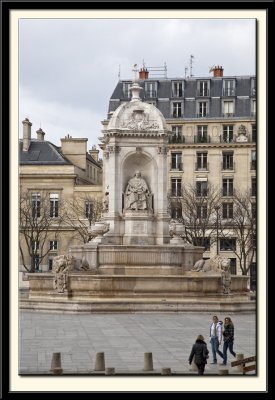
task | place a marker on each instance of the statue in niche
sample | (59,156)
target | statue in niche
(137,193)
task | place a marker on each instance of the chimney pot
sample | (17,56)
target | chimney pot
(26,134)
(40,134)
(94,153)
(217,71)
(143,73)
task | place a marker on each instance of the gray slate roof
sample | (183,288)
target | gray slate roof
(42,152)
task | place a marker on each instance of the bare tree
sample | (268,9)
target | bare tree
(39,219)
(196,207)
(242,229)
(80,214)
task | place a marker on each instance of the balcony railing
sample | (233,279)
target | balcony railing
(150,94)
(228,115)
(227,192)
(228,166)
(177,166)
(229,92)
(177,93)
(202,115)
(201,139)
(176,139)
(203,93)
(202,166)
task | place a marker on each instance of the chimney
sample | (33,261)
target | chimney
(143,73)
(40,134)
(217,71)
(75,149)
(94,153)
(26,134)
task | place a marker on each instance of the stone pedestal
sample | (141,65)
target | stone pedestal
(138,228)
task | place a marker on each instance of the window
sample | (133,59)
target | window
(228,108)
(253,108)
(254,133)
(177,134)
(34,245)
(53,244)
(151,89)
(126,90)
(36,262)
(233,266)
(253,87)
(176,212)
(202,109)
(176,161)
(254,241)
(201,211)
(36,199)
(177,108)
(53,205)
(201,161)
(88,209)
(227,134)
(50,263)
(202,134)
(203,89)
(177,89)
(253,186)
(254,210)
(176,187)
(253,276)
(201,187)
(203,242)
(229,87)
(228,244)
(227,187)
(227,210)
(253,159)
(227,160)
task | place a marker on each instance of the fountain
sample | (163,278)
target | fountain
(136,262)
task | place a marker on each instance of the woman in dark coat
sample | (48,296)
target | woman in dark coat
(200,351)
(228,337)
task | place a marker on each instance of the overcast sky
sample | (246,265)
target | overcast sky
(69,68)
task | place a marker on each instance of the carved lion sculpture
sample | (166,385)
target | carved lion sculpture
(65,263)
(216,263)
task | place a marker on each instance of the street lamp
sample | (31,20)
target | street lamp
(217,211)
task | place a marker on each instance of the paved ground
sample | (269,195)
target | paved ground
(124,338)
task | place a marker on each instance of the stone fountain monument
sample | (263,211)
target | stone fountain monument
(135,262)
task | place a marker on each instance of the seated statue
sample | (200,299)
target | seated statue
(214,264)
(137,193)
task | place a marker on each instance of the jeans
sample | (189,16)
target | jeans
(215,348)
(228,345)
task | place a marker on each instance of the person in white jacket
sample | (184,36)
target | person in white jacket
(216,338)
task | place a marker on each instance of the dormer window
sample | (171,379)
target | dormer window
(126,90)
(150,89)
(253,86)
(203,88)
(177,89)
(229,87)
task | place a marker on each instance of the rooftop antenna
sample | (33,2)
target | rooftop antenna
(165,69)
(143,64)
(118,72)
(185,71)
(191,65)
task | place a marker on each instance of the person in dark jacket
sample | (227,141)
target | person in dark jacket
(228,337)
(200,351)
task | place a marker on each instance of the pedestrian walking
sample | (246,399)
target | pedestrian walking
(216,338)
(228,337)
(200,352)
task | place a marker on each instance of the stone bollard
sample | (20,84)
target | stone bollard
(56,364)
(110,371)
(148,362)
(165,371)
(100,362)
(239,357)
(223,371)
(193,366)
